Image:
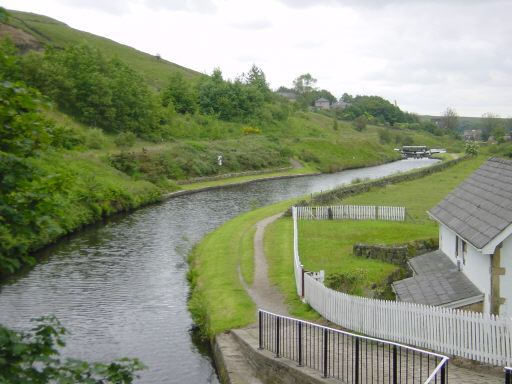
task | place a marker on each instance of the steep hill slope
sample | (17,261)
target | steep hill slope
(47,30)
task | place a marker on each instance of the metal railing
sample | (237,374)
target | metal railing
(508,375)
(348,357)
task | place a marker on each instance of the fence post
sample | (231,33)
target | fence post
(300,343)
(260,326)
(395,365)
(278,318)
(443,373)
(303,289)
(326,353)
(356,362)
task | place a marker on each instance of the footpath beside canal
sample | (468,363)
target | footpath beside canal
(239,361)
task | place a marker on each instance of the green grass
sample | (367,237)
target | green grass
(327,245)
(246,253)
(278,245)
(156,71)
(422,194)
(218,300)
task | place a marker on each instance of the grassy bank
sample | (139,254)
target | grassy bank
(219,301)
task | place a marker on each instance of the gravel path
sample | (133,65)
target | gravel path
(265,294)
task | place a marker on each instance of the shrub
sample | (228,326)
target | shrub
(251,131)
(125,139)
(347,282)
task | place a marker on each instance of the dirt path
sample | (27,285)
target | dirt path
(265,294)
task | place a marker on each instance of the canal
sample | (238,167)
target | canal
(119,287)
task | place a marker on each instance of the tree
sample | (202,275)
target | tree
(490,121)
(24,205)
(304,84)
(179,92)
(347,98)
(32,357)
(360,123)
(450,120)
(499,133)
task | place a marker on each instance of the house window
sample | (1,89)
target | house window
(464,251)
(456,246)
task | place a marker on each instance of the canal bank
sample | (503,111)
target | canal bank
(120,286)
(240,360)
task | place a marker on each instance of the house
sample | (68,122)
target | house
(472,134)
(322,103)
(475,237)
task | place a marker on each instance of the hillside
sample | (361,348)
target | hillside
(91,127)
(49,31)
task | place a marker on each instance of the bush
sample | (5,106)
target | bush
(251,131)
(348,282)
(32,357)
(125,139)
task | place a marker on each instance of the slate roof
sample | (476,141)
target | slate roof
(480,208)
(436,282)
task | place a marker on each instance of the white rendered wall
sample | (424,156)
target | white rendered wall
(447,242)
(474,265)
(506,280)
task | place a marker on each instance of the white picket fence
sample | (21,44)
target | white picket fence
(481,337)
(352,212)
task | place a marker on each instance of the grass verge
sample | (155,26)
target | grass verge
(218,300)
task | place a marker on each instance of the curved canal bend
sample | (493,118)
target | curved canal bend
(120,287)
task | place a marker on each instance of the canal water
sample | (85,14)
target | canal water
(120,288)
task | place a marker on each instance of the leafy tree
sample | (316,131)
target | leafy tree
(499,133)
(108,94)
(450,120)
(256,78)
(33,357)
(360,123)
(10,60)
(430,126)
(326,95)
(304,84)
(179,92)
(490,122)
(284,89)
(24,204)
(373,108)
(347,98)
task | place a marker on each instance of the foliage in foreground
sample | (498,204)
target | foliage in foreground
(44,191)
(33,357)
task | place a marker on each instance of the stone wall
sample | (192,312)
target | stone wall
(397,255)
(339,193)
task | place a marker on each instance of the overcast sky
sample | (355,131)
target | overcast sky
(425,54)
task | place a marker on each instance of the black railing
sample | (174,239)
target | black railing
(348,357)
(508,375)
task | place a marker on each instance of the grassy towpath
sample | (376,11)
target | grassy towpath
(218,299)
